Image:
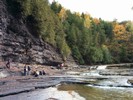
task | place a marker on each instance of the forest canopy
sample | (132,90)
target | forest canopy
(89,40)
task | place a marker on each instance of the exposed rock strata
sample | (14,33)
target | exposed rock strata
(19,45)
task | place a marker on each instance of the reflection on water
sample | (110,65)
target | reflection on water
(100,93)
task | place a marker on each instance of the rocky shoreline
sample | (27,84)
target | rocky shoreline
(13,83)
(16,83)
(19,84)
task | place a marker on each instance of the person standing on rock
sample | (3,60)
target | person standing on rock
(25,70)
(28,72)
(8,64)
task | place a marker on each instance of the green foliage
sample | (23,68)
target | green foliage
(108,27)
(85,41)
(44,22)
(129,26)
(89,40)
(123,54)
(96,55)
(63,47)
(56,7)
(77,55)
(107,58)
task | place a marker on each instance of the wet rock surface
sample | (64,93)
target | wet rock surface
(19,84)
(15,85)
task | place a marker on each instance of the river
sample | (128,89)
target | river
(106,84)
(76,92)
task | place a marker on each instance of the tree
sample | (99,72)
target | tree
(85,41)
(108,27)
(87,20)
(56,7)
(62,14)
(76,54)
(123,54)
(107,58)
(119,31)
(96,55)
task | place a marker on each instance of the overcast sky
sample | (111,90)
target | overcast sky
(105,9)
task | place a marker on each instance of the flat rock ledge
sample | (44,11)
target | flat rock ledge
(19,84)
(16,85)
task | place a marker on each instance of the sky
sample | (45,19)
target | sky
(107,10)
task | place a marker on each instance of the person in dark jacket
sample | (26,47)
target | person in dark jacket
(25,70)
(29,69)
(8,64)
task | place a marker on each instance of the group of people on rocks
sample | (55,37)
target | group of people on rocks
(37,73)
(27,70)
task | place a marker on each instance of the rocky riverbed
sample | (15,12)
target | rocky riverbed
(12,85)
(15,85)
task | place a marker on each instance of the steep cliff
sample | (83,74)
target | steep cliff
(19,44)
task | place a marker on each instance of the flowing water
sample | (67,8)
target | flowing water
(76,92)
(99,92)
(110,84)
(107,84)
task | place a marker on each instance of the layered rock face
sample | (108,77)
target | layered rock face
(17,44)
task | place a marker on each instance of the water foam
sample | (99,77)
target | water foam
(115,82)
(91,73)
(102,67)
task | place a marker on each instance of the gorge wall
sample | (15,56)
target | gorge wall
(18,44)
